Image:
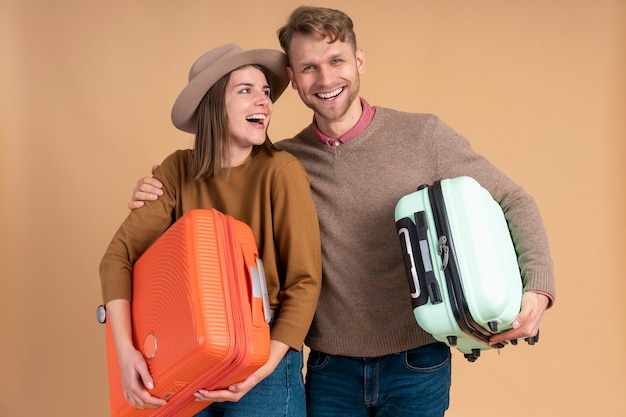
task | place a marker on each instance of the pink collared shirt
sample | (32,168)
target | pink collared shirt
(357,129)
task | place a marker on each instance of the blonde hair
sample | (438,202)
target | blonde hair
(320,21)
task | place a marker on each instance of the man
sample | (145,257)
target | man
(368,356)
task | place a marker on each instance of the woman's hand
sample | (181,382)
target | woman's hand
(134,373)
(236,391)
(136,380)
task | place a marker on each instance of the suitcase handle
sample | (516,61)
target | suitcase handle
(407,241)
(262,289)
(260,300)
(417,260)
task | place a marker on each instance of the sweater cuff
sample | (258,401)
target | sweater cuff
(541,282)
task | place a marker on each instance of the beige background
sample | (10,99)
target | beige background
(86,89)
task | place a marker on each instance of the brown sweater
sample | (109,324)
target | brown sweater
(269,193)
(364,307)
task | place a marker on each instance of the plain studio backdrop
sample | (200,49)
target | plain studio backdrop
(86,89)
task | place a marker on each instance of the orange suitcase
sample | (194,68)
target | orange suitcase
(200,313)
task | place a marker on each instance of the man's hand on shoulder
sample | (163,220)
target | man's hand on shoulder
(147,189)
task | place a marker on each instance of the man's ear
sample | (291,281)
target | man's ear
(360,61)
(291,77)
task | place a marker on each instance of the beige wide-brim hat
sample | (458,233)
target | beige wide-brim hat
(218,62)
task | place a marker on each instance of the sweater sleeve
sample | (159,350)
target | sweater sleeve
(134,236)
(455,157)
(296,232)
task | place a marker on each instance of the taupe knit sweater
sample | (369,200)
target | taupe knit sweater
(364,307)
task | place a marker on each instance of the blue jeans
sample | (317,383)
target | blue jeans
(414,383)
(279,395)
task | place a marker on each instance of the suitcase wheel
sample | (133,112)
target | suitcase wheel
(532,340)
(514,342)
(471,357)
(493,326)
(452,340)
(499,345)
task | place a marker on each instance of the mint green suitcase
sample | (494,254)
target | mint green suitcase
(461,264)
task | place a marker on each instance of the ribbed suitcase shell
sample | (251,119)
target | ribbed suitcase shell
(200,313)
(479,291)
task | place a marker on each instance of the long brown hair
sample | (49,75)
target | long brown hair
(212,144)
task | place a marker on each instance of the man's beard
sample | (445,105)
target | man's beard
(333,113)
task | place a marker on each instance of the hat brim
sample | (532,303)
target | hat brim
(184,111)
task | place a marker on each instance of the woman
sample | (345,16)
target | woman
(234,168)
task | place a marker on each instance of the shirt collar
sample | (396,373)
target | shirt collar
(366,117)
